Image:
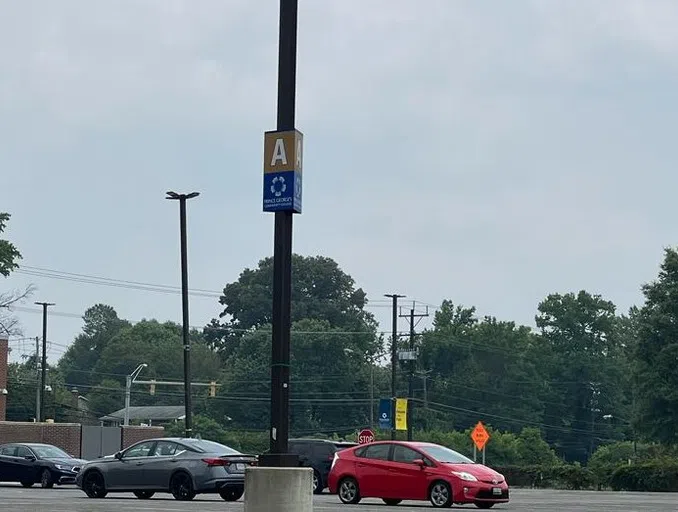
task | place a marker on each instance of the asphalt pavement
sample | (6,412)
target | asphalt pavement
(69,499)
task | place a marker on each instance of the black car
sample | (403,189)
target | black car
(317,454)
(30,463)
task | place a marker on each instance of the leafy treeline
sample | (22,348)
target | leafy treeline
(587,376)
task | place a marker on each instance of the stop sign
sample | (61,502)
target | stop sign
(365,436)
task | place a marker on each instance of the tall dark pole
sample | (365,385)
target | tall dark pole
(188,422)
(411,364)
(394,358)
(410,381)
(43,369)
(282,254)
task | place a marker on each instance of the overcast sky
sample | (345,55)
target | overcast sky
(484,151)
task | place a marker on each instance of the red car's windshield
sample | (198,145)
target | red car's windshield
(442,454)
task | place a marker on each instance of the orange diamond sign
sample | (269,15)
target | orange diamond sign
(480,436)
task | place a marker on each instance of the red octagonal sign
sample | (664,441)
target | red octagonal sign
(365,436)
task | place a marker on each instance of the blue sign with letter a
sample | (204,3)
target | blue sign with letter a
(385,414)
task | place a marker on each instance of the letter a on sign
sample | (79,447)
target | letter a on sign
(283,151)
(279,154)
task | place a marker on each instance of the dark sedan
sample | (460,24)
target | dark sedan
(30,463)
(182,467)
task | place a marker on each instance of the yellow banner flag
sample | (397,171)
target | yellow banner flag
(401,414)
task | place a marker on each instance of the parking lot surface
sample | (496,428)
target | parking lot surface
(69,499)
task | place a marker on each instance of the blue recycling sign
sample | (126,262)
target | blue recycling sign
(385,414)
(283,168)
(282,191)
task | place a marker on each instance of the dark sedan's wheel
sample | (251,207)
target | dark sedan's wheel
(27,484)
(231,494)
(349,492)
(144,495)
(391,501)
(181,487)
(440,494)
(317,483)
(93,485)
(484,504)
(46,480)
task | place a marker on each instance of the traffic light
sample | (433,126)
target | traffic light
(153,387)
(213,388)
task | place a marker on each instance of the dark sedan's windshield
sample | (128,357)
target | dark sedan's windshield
(49,452)
(442,454)
(210,447)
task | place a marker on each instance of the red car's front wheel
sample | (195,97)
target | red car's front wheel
(440,494)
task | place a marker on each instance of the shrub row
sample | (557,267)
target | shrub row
(659,475)
(654,476)
(560,476)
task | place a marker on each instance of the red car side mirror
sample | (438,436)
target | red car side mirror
(420,463)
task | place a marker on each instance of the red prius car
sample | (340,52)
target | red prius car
(395,471)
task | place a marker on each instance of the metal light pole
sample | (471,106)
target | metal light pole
(37,371)
(184,302)
(43,370)
(278,455)
(128,389)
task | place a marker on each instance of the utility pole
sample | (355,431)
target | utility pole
(184,306)
(43,369)
(282,195)
(37,371)
(412,363)
(372,394)
(594,410)
(424,378)
(394,358)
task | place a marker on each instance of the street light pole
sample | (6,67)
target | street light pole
(128,390)
(278,455)
(182,198)
(43,369)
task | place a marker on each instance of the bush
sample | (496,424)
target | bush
(656,476)
(559,476)
(607,459)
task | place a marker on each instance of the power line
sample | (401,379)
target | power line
(223,328)
(140,285)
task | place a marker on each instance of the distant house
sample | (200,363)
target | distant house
(149,415)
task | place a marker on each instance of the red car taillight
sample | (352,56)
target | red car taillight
(216,462)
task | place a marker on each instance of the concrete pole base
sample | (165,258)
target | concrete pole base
(279,489)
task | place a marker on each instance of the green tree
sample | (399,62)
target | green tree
(9,254)
(329,380)
(320,291)
(485,370)
(586,369)
(21,391)
(106,397)
(160,346)
(102,325)
(9,258)
(656,356)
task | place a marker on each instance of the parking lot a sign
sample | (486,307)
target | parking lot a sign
(283,166)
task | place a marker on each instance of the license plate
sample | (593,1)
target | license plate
(496,491)
(240,467)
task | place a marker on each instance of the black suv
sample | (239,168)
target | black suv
(317,454)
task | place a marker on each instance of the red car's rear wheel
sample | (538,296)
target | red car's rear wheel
(349,492)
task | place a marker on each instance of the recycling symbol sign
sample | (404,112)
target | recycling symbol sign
(278,186)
